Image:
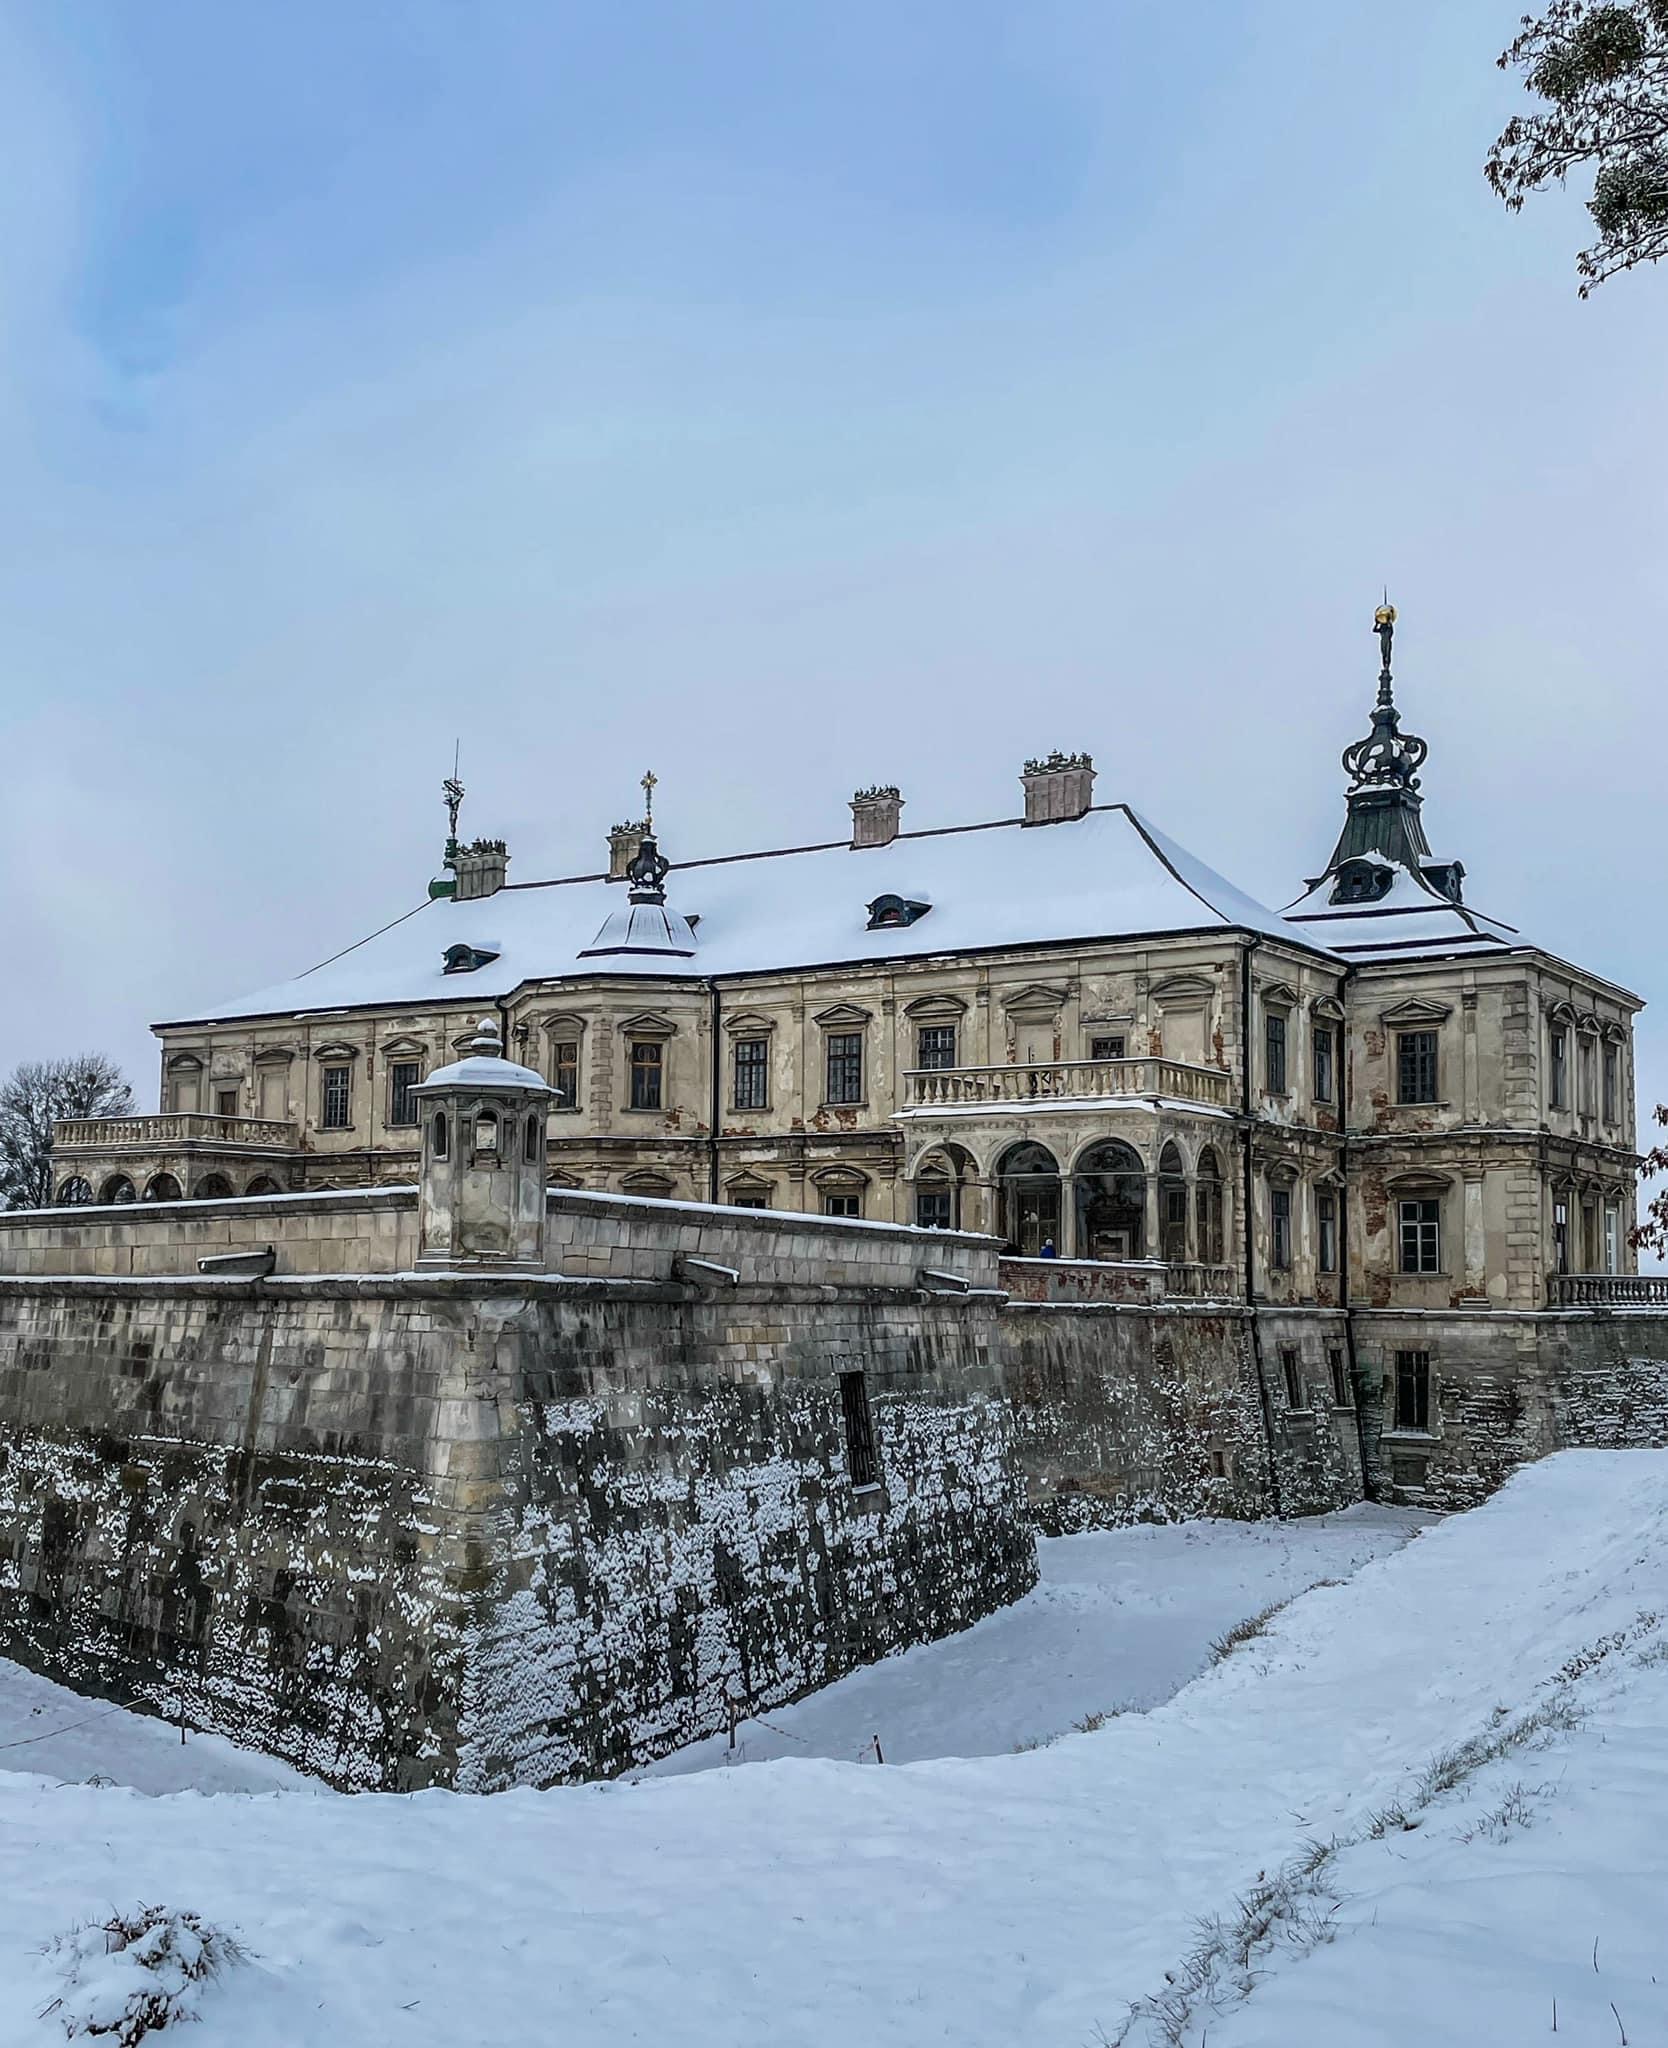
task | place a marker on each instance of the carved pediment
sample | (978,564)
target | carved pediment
(1423,1180)
(274,1055)
(648,1024)
(747,1184)
(184,1063)
(1414,1011)
(656,1185)
(1181,991)
(1036,999)
(943,1008)
(1615,1034)
(1328,1009)
(749,1024)
(842,1017)
(1278,995)
(1563,1012)
(838,1177)
(339,1049)
(562,1024)
(404,1048)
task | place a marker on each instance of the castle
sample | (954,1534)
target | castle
(588,1312)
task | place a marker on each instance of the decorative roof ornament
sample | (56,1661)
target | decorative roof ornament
(650,780)
(1387,758)
(646,925)
(1052,764)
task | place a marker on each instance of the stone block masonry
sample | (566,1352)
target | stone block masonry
(480,1531)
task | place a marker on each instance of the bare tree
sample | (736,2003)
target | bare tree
(1601,69)
(1652,1233)
(39,1091)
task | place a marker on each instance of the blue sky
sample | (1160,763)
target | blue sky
(787,397)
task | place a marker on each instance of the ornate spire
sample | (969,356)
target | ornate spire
(649,782)
(646,925)
(1383,830)
(1387,758)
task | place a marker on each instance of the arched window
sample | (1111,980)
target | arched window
(75,1189)
(1172,1207)
(263,1184)
(439,1134)
(533,1138)
(1028,1176)
(213,1187)
(486,1134)
(118,1188)
(162,1187)
(1111,1202)
(1207,1200)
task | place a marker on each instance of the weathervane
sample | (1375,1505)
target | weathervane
(648,786)
(452,792)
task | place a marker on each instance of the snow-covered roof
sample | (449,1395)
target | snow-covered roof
(1410,918)
(483,1066)
(1109,874)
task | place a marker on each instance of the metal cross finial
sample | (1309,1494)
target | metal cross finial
(649,782)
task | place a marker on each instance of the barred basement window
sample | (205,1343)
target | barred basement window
(752,1073)
(1413,1390)
(403,1076)
(1294,1379)
(336,1099)
(861,1461)
(845,1066)
(1415,1066)
(1340,1376)
(1421,1223)
(645,1074)
(935,1046)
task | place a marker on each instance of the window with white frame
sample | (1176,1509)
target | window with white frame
(1421,1234)
(935,1046)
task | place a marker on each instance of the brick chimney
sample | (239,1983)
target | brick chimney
(479,869)
(1060,787)
(874,815)
(623,843)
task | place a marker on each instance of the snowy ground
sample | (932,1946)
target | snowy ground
(1006,1898)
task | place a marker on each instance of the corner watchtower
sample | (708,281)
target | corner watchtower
(481,1201)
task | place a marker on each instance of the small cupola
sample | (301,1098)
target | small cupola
(481,1198)
(1058,787)
(874,815)
(645,925)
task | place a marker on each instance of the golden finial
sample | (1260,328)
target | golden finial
(649,782)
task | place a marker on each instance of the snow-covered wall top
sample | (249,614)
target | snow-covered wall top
(1106,875)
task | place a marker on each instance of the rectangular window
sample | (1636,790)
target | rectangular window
(225,1102)
(336,1099)
(845,1066)
(1339,1372)
(1612,1238)
(752,1073)
(403,1076)
(933,1206)
(646,1065)
(1415,1066)
(1421,1236)
(935,1046)
(748,1202)
(1293,1377)
(1413,1390)
(1561,1235)
(1560,1082)
(1110,1047)
(1326,1231)
(1280,1227)
(1612,1085)
(564,1072)
(1589,1237)
(842,1205)
(861,1461)
(1325,1040)
(1274,1049)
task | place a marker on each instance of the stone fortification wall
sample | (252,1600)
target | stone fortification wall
(1505,1389)
(359,1230)
(435,1529)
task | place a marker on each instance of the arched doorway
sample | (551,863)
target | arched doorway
(1207,1209)
(162,1187)
(1172,1206)
(74,1190)
(1111,1202)
(118,1188)
(940,1183)
(1029,1178)
(213,1187)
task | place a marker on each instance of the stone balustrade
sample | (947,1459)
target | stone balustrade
(1065,1083)
(183,1127)
(1607,1290)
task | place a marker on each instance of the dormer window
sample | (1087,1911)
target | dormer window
(889,913)
(1362,881)
(464,959)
